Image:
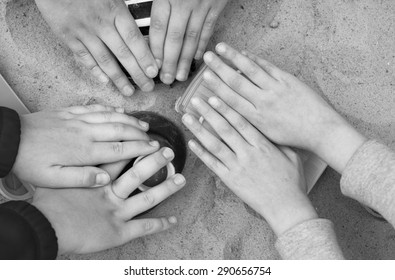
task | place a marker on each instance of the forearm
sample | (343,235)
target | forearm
(337,143)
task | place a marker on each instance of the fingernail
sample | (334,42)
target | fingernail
(209,56)
(120,110)
(182,75)
(198,55)
(173,220)
(168,153)
(207,76)
(195,101)
(102,179)
(152,71)
(103,78)
(154,143)
(158,63)
(148,87)
(128,90)
(187,119)
(143,124)
(167,78)
(179,180)
(221,48)
(214,102)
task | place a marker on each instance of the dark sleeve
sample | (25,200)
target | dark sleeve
(25,233)
(10,131)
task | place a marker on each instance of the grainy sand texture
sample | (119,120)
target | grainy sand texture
(342,48)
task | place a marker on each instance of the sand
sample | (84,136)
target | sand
(343,49)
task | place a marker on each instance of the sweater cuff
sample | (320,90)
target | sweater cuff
(311,240)
(10,132)
(369,177)
(46,243)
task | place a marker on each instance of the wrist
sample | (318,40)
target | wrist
(338,143)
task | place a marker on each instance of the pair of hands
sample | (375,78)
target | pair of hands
(253,108)
(101,32)
(59,152)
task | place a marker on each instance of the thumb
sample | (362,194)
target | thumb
(77,177)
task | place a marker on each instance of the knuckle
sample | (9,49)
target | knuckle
(105,58)
(225,129)
(144,56)
(148,226)
(241,123)
(157,25)
(118,78)
(118,148)
(107,116)
(236,82)
(216,147)
(82,53)
(192,35)
(124,52)
(148,198)
(118,128)
(133,36)
(175,35)
(252,70)
(134,175)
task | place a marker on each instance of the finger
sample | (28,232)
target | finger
(233,99)
(77,177)
(91,109)
(144,201)
(208,159)
(242,126)
(207,32)
(291,154)
(190,44)
(135,41)
(173,44)
(270,68)
(116,151)
(118,47)
(227,133)
(142,171)
(141,227)
(160,15)
(114,168)
(105,132)
(248,67)
(234,80)
(212,143)
(108,64)
(82,55)
(113,117)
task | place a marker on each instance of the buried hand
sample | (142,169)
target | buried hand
(267,178)
(100,32)
(96,219)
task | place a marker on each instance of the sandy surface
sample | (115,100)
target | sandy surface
(344,49)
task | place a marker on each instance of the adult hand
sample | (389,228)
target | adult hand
(267,178)
(98,32)
(180,31)
(60,148)
(91,220)
(282,107)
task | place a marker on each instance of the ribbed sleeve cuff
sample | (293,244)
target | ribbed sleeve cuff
(369,177)
(46,244)
(10,131)
(311,240)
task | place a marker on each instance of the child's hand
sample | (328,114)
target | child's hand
(180,30)
(98,32)
(286,110)
(62,148)
(268,179)
(91,220)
